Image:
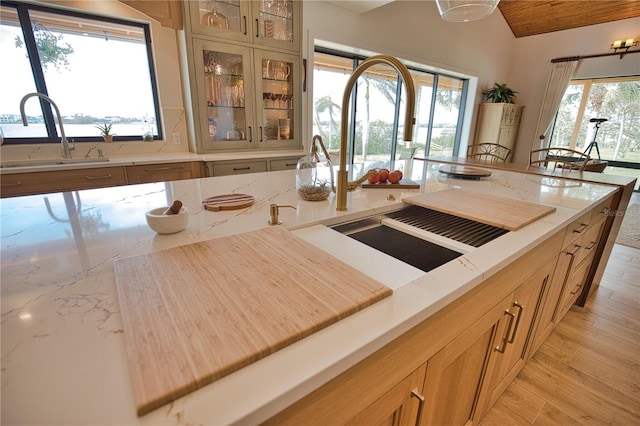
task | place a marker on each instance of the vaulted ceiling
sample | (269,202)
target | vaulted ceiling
(531,17)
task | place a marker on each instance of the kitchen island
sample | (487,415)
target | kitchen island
(63,351)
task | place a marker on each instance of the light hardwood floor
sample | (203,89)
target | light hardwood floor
(587,372)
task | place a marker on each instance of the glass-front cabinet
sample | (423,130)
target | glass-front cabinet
(246,97)
(273,23)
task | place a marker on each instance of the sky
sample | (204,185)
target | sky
(105,80)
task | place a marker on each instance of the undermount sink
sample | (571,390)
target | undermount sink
(420,237)
(52,162)
(402,245)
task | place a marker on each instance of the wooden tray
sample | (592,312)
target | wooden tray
(195,313)
(505,213)
(228,202)
(409,184)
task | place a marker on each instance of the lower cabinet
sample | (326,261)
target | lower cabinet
(148,173)
(455,375)
(236,167)
(512,347)
(17,184)
(403,405)
(471,349)
(225,168)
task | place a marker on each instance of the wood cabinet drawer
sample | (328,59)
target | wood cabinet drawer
(17,184)
(576,229)
(237,168)
(163,172)
(283,164)
(589,242)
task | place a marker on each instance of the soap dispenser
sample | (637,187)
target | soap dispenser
(314,173)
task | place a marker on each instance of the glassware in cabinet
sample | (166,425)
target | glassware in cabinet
(277,23)
(278,82)
(273,23)
(225,96)
(275,20)
(221,18)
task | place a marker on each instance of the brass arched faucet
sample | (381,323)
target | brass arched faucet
(343,184)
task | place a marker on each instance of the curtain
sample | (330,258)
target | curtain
(561,73)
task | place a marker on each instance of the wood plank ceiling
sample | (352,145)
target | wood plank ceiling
(531,17)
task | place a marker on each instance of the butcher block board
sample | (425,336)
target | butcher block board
(195,313)
(406,184)
(505,213)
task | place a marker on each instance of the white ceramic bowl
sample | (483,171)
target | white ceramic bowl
(167,223)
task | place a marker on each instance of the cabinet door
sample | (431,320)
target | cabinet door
(401,405)
(456,374)
(229,19)
(276,23)
(513,348)
(163,172)
(225,94)
(278,84)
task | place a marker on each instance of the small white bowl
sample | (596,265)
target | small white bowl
(167,223)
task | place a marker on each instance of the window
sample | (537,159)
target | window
(97,70)
(376,117)
(618,138)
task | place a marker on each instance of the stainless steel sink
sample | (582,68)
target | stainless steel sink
(52,162)
(420,237)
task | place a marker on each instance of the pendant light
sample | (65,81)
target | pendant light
(465,10)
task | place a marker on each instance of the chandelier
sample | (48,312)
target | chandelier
(465,10)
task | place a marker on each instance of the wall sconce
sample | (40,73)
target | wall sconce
(465,10)
(623,46)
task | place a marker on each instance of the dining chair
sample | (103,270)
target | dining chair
(489,152)
(558,158)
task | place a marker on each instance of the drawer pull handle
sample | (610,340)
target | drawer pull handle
(162,169)
(235,169)
(16,183)
(576,290)
(291,164)
(507,332)
(515,328)
(109,176)
(576,248)
(591,245)
(581,228)
(415,393)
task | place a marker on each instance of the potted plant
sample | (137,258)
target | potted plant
(105,131)
(500,93)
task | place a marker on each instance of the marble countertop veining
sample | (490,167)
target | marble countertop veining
(63,356)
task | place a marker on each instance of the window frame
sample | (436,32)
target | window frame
(53,137)
(357,60)
(586,84)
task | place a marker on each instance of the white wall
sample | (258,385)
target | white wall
(532,63)
(486,49)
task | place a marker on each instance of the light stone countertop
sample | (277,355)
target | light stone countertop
(63,355)
(117,160)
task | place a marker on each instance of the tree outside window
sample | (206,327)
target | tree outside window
(98,70)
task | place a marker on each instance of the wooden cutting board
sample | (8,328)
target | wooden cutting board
(228,202)
(195,313)
(505,213)
(406,184)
